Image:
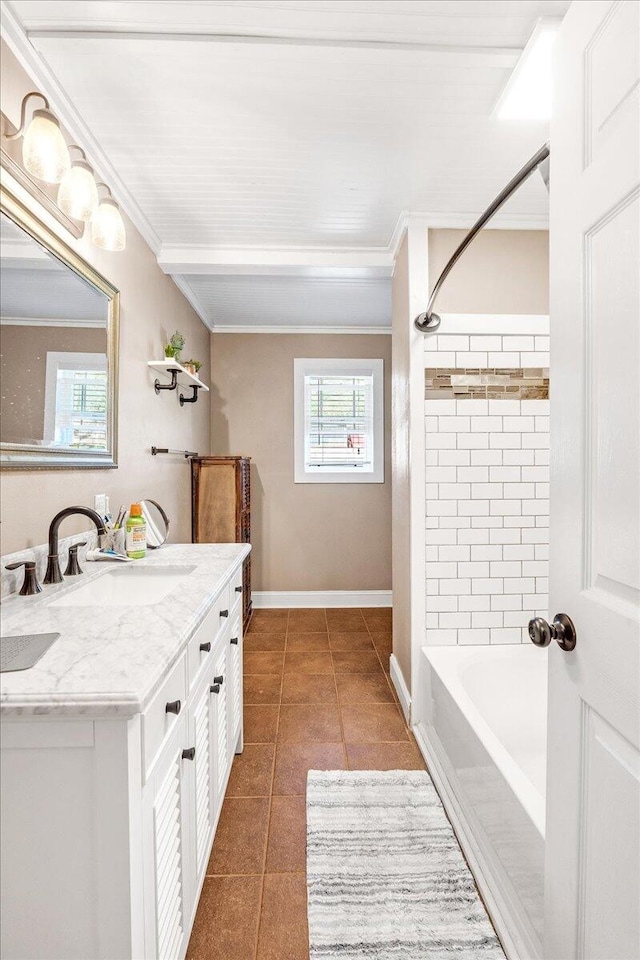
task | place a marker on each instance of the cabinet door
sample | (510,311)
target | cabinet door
(220,722)
(165,866)
(201,813)
(234,688)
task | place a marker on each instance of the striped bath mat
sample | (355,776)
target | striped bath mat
(385,874)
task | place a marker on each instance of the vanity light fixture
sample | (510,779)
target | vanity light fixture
(44,151)
(107,225)
(46,156)
(78,193)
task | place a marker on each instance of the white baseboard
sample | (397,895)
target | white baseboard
(264,599)
(401,688)
(503,920)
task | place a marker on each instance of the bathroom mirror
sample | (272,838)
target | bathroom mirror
(59,357)
(157,523)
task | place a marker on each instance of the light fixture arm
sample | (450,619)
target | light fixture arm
(74,146)
(23,113)
(428,322)
(99,184)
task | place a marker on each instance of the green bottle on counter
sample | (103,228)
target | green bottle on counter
(136,533)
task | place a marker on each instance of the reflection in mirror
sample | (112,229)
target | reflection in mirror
(53,329)
(157,523)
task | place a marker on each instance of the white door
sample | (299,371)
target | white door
(592,890)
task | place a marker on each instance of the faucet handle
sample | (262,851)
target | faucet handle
(30,584)
(73,567)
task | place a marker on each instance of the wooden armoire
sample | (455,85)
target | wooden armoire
(221,509)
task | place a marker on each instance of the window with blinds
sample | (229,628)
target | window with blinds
(81,409)
(76,401)
(338,422)
(338,406)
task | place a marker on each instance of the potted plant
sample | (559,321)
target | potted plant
(192,366)
(175,346)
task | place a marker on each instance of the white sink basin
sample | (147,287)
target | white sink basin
(125,587)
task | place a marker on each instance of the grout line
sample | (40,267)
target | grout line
(270,799)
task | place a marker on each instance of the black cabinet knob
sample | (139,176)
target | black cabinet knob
(205,647)
(189,753)
(224,613)
(238,589)
(234,641)
(174,706)
(214,688)
(219,679)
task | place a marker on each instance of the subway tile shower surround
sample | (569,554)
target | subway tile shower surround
(487,486)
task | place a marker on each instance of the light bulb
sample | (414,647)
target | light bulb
(107,226)
(78,193)
(44,151)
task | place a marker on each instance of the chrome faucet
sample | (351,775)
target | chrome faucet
(53,574)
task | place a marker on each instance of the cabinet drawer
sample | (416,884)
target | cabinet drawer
(161,716)
(201,645)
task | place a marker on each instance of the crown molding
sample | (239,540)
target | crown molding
(51,322)
(304,328)
(193,299)
(461,221)
(17,40)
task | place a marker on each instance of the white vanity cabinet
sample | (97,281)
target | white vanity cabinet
(108,823)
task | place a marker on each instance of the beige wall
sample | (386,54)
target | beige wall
(152,307)
(305,536)
(502,271)
(23,365)
(400,463)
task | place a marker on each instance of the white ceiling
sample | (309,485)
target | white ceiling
(245,133)
(293,302)
(36,288)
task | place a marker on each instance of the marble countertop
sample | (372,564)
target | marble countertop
(110,660)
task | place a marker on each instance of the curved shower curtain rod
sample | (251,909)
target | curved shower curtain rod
(428,322)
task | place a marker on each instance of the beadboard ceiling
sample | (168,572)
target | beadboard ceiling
(36,289)
(259,137)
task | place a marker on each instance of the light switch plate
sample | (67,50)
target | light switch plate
(100,503)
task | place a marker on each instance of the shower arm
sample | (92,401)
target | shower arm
(428,322)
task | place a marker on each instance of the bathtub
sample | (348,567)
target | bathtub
(485,730)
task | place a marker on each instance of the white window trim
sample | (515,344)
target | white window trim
(68,361)
(304,367)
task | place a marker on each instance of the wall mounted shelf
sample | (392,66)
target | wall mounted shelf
(179,377)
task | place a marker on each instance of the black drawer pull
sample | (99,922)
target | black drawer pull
(219,679)
(224,613)
(189,753)
(238,589)
(205,647)
(214,688)
(234,641)
(174,706)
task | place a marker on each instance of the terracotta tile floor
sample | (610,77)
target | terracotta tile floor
(317,696)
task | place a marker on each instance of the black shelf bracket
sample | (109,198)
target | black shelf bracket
(168,386)
(192,399)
